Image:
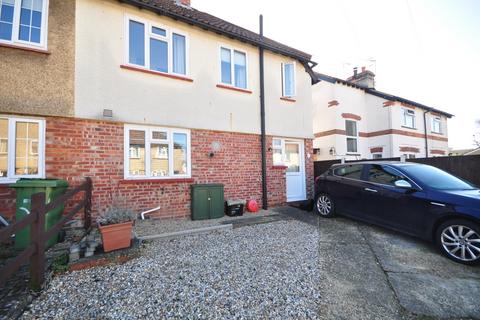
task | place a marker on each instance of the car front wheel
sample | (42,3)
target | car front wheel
(459,240)
(324,205)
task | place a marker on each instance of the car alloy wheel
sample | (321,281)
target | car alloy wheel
(324,205)
(461,242)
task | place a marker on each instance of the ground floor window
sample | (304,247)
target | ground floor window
(377,156)
(156,153)
(352,136)
(409,155)
(22,145)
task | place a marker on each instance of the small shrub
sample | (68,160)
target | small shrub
(115,215)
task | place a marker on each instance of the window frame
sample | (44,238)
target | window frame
(43,44)
(439,121)
(351,137)
(282,151)
(11,145)
(148,141)
(232,66)
(294,80)
(148,34)
(409,112)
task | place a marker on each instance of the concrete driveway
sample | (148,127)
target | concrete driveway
(371,273)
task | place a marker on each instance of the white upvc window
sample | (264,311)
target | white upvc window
(278,148)
(288,80)
(155,47)
(436,125)
(233,67)
(24,23)
(409,118)
(22,149)
(351,130)
(377,156)
(156,153)
(409,155)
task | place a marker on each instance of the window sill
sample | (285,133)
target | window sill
(437,133)
(233,88)
(353,154)
(158,73)
(24,48)
(411,128)
(153,180)
(288,99)
(279,167)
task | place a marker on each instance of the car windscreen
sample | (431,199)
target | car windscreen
(436,178)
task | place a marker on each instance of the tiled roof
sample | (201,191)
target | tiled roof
(204,20)
(386,96)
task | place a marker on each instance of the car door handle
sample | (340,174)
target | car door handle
(370,190)
(437,204)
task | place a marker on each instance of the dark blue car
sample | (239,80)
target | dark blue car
(415,199)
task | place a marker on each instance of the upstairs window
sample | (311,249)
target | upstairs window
(233,64)
(436,125)
(409,118)
(24,22)
(288,79)
(22,146)
(156,48)
(352,136)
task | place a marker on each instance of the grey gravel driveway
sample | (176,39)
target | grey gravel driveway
(263,271)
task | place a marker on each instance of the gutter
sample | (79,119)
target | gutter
(262,122)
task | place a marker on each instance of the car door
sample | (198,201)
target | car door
(394,207)
(346,188)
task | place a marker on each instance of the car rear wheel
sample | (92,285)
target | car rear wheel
(324,205)
(459,240)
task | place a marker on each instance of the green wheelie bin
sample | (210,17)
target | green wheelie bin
(25,188)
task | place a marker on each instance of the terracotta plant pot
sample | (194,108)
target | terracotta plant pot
(116,236)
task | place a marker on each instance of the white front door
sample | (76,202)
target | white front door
(294,159)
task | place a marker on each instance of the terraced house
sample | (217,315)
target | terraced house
(147,98)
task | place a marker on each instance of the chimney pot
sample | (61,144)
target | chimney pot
(184,2)
(355,71)
(363,69)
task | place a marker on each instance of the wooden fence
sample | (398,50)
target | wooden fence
(35,252)
(465,167)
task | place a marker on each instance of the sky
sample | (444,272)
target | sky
(423,50)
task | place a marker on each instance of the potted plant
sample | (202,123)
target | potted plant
(115,226)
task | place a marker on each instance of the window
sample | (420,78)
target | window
(156,153)
(409,118)
(352,136)
(436,125)
(353,171)
(409,156)
(24,22)
(21,149)
(156,48)
(383,175)
(377,156)
(288,79)
(234,74)
(277,147)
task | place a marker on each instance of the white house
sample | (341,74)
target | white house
(352,120)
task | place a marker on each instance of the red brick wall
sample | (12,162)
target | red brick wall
(309,174)
(79,148)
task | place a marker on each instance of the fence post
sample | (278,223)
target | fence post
(37,231)
(88,203)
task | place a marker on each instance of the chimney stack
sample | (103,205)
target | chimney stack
(365,79)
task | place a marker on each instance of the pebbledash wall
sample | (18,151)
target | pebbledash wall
(78,148)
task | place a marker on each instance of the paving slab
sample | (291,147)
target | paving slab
(353,285)
(399,253)
(433,296)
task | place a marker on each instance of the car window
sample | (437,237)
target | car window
(383,175)
(436,178)
(353,171)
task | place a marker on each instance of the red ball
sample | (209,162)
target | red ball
(252,206)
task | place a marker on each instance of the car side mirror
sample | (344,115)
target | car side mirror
(404,184)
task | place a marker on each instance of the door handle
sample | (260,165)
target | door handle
(371,190)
